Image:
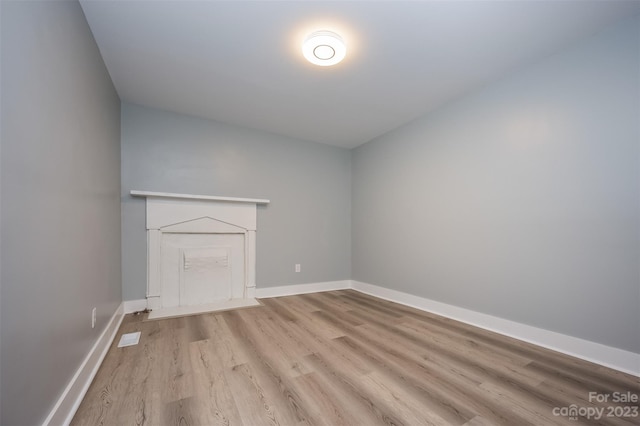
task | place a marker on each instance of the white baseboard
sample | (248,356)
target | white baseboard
(131,306)
(615,358)
(290,290)
(68,403)
(608,356)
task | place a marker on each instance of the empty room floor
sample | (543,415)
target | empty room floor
(342,358)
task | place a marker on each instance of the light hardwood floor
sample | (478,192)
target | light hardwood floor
(341,358)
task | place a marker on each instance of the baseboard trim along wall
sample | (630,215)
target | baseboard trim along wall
(607,356)
(68,403)
(290,290)
(615,358)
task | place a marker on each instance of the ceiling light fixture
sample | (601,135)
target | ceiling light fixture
(324,48)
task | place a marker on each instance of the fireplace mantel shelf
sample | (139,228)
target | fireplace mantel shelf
(149,194)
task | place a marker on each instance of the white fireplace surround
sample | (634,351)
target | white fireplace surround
(198,214)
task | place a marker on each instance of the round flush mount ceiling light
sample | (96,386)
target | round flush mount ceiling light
(324,48)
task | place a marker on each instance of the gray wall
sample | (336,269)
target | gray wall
(60,177)
(521,200)
(309,185)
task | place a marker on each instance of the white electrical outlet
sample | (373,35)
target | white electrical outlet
(93,318)
(297,267)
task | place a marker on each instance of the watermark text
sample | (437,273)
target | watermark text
(592,412)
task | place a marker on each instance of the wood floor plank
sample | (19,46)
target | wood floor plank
(254,404)
(478,421)
(326,408)
(224,343)
(365,398)
(473,359)
(175,366)
(304,313)
(284,351)
(331,299)
(410,406)
(462,343)
(359,410)
(179,412)
(213,401)
(339,358)
(272,387)
(443,394)
(529,408)
(435,385)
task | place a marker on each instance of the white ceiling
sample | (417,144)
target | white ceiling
(239,62)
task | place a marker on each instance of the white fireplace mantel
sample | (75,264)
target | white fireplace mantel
(148,194)
(169,213)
